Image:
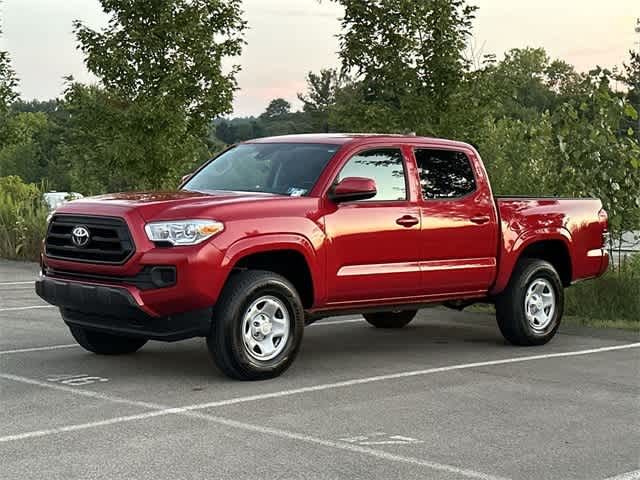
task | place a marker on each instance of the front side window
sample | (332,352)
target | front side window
(444,173)
(385,167)
(281,168)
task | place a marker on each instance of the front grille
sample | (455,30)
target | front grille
(109,239)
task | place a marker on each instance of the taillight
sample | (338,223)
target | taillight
(603,219)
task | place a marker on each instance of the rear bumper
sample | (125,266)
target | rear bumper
(116,309)
(597,262)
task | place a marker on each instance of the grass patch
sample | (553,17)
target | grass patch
(630,325)
(611,301)
(613,297)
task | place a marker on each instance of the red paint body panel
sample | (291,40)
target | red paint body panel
(359,254)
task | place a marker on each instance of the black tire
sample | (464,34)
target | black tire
(390,319)
(510,305)
(225,341)
(105,343)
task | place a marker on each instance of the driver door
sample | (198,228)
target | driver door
(375,243)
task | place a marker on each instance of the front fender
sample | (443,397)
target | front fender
(279,241)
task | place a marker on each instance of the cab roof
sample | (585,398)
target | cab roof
(344,138)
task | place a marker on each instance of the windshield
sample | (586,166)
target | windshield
(282,168)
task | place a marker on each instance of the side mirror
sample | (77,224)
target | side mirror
(353,188)
(185,178)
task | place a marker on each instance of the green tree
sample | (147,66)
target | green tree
(112,143)
(594,158)
(277,108)
(162,80)
(8,93)
(8,82)
(631,78)
(320,97)
(406,57)
(21,153)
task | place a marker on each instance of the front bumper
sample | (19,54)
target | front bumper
(115,309)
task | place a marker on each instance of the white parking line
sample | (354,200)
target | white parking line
(160,410)
(635,475)
(39,349)
(13,309)
(192,410)
(30,282)
(337,322)
(296,391)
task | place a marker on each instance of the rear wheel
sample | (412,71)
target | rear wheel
(105,343)
(257,326)
(390,319)
(530,309)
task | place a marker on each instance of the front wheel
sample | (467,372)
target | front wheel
(257,326)
(105,343)
(390,319)
(530,309)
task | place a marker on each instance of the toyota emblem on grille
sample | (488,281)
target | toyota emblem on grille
(80,236)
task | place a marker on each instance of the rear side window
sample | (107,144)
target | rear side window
(385,167)
(444,173)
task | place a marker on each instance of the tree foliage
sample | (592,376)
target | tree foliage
(112,143)
(321,95)
(540,126)
(277,108)
(169,50)
(407,56)
(162,80)
(8,82)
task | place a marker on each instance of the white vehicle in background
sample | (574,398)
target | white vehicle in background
(55,199)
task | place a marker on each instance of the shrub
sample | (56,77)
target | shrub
(614,296)
(23,215)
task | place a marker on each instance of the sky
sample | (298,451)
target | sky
(288,38)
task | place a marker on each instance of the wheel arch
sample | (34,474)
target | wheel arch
(551,245)
(291,256)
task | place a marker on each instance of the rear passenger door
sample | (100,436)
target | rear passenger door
(459,230)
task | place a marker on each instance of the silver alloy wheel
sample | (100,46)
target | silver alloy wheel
(265,328)
(540,304)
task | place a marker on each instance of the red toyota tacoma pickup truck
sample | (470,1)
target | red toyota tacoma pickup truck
(275,233)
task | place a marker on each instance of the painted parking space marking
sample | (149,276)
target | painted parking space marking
(192,411)
(381,438)
(337,322)
(76,380)
(635,475)
(31,307)
(160,410)
(30,282)
(283,393)
(39,349)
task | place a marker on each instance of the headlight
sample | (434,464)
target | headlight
(183,232)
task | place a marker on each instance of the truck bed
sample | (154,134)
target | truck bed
(576,222)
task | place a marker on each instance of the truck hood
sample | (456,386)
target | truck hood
(160,205)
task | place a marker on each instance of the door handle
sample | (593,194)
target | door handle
(480,219)
(407,221)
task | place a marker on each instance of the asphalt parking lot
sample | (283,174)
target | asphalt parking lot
(445,398)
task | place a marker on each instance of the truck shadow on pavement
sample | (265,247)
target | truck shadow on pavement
(323,348)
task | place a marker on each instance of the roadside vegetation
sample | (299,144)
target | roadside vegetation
(610,301)
(23,216)
(163,98)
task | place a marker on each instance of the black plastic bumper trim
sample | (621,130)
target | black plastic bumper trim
(114,310)
(150,277)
